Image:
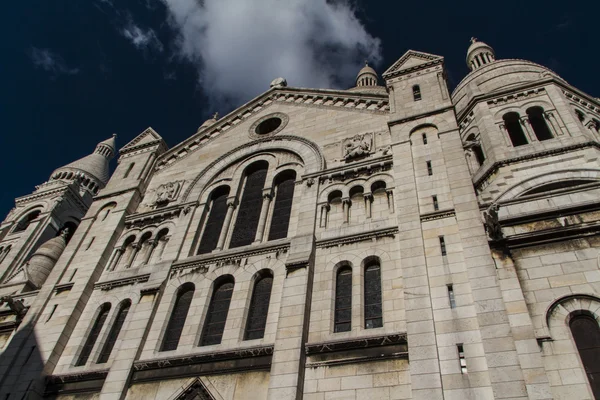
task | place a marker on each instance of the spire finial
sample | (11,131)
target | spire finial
(473,39)
(366,62)
(216,116)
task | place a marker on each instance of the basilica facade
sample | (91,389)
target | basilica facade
(390,241)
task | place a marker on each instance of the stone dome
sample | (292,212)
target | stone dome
(367,77)
(45,257)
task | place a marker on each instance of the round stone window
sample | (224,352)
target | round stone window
(268,125)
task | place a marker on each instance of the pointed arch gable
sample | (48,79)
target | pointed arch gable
(308,151)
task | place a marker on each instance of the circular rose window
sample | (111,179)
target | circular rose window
(268,125)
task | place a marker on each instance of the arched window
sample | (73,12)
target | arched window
(214,222)
(580,116)
(128,171)
(217,311)
(259,307)
(248,215)
(515,131)
(587,338)
(71,226)
(416,93)
(93,335)
(373,310)
(476,147)
(25,221)
(538,123)
(114,332)
(343,300)
(356,210)
(284,195)
(178,316)
(596,124)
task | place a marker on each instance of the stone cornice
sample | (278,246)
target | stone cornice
(437,215)
(63,287)
(342,100)
(355,343)
(158,215)
(587,103)
(130,280)
(419,116)
(352,169)
(397,70)
(492,169)
(359,237)
(559,234)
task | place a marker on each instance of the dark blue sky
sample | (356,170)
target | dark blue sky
(99,82)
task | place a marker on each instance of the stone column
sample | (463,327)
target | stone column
(134,252)
(116,258)
(160,247)
(231,202)
(150,249)
(505,135)
(346,207)
(324,210)
(264,211)
(368,201)
(528,129)
(390,197)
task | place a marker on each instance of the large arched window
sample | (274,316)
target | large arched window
(538,123)
(586,334)
(373,310)
(178,316)
(25,221)
(114,332)
(515,131)
(282,209)
(93,335)
(259,307)
(244,231)
(217,311)
(217,209)
(343,300)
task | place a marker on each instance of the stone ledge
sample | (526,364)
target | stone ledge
(438,215)
(340,240)
(130,280)
(355,343)
(89,381)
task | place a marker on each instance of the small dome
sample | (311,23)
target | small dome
(479,54)
(45,257)
(367,76)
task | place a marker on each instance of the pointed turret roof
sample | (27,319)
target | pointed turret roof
(95,165)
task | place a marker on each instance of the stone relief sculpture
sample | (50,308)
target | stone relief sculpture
(167,192)
(492,225)
(357,146)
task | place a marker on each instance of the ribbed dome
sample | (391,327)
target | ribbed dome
(45,257)
(366,76)
(479,54)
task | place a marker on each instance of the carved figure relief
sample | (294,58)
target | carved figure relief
(167,192)
(492,225)
(357,146)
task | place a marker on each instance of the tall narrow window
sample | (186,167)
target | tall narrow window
(586,334)
(178,317)
(93,335)
(442,245)
(343,300)
(429,168)
(217,311)
(128,171)
(424,138)
(282,209)
(436,205)
(416,93)
(114,332)
(451,298)
(515,131)
(462,361)
(538,123)
(214,223)
(259,307)
(248,215)
(373,310)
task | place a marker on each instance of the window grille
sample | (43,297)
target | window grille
(93,335)
(259,308)
(282,208)
(451,298)
(343,300)
(586,334)
(461,359)
(244,231)
(424,138)
(214,222)
(436,205)
(217,313)
(114,333)
(178,317)
(373,310)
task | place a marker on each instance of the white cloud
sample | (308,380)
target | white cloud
(140,38)
(51,62)
(240,46)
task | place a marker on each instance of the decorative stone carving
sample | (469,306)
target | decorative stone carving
(492,226)
(357,146)
(278,82)
(167,192)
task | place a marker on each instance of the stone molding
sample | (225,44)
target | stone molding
(577,99)
(429,60)
(131,280)
(75,382)
(63,287)
(438,215)
(420,116)
(359,237)
(284,121)
(343,172)
(156,216)
(354,343)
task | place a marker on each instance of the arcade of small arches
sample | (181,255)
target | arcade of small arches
(137,250)
(535,125)
(588,120)
(85,181)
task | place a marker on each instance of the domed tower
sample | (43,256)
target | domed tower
(479,54)
(367,81)
(45,257)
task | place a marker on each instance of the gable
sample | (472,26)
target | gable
(195,391)
(410,61)
(147,138)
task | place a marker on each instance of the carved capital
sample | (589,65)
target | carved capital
(267,193)
(231,202)
(368,196)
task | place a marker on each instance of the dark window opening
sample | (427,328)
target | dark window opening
(436,205)
(538,123)
(586,335)
(93,335)
(114,333)
(416,92)
(217,312)
(429,168)
(282,208)
(373,308)
(52,312)
(248,215)
(461,358)
(580,116)
(259,308)
(343,300)
(515,131)
(128,171)
(451,298)
(26,221)
(442,245)
(178,317)
(424,138)
(268,126)
(214,222)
